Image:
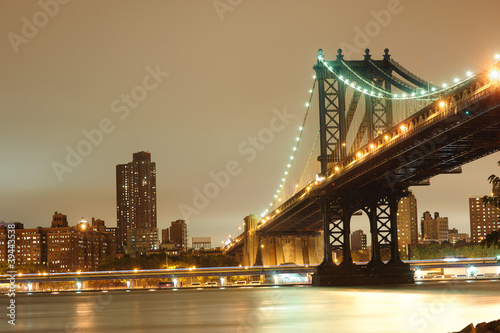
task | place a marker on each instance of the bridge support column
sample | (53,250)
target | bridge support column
(372,214)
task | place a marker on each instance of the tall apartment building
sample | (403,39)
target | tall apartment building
(407,223)
(484,218)
(136,205)
(434,229)
(358,240)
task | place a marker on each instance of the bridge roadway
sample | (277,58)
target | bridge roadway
(224,271)
(435,140)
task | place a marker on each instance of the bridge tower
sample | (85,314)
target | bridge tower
(380,204)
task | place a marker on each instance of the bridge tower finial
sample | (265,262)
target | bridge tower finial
(387,56)
(367,54)
(340,56)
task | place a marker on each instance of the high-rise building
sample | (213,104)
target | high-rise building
(407,223)
(358,240)
(179,234)
(136,205)
(484,218)
(434,229)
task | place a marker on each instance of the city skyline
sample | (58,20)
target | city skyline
(68,83)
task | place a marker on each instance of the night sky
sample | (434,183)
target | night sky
(201,77)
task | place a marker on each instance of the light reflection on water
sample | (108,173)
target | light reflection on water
(428,307)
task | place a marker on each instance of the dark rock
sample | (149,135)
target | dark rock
(468,329)
(493,324)
(481,328)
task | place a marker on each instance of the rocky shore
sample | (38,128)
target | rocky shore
(491,327)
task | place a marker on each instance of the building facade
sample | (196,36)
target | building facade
(484,218)
(61,248)
(136,205)
(358,240)
(204,243)
(454,236)
(434,229)
(407,223)
(178,234)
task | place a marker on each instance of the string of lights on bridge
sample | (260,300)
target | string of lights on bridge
(294,149)
(494,74)
(376,91)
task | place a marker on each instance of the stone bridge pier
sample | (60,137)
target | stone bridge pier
(276,248)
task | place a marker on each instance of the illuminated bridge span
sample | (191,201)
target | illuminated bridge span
(381,129)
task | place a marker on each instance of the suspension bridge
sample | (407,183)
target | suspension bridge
(371,130)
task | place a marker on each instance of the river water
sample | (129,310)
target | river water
(425,307)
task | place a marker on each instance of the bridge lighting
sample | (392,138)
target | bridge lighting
(469,74)
(433,89)
(282,179)
(497,56)
(456,80)
(270,204)
(494,74)
(314,77)
(343,144)
(277,211)
(336,168)
(291,157)
(300,128)
(294,148)
(379,94)
(422,92)
(297,185)
(413,94)
(341,77)
(286,172)
(275,195)
(365,91)
(404,95)
(135,270)
(395,95)
(442,104)
(308,188)
(445,85)
(346,81)
(359,154)
(288,165)
(372,146)
(310,91)
(403,127)
(307,104)
(297,139)
(386,137)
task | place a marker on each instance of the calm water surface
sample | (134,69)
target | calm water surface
(428,307)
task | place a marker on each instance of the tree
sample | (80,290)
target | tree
(493,238)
